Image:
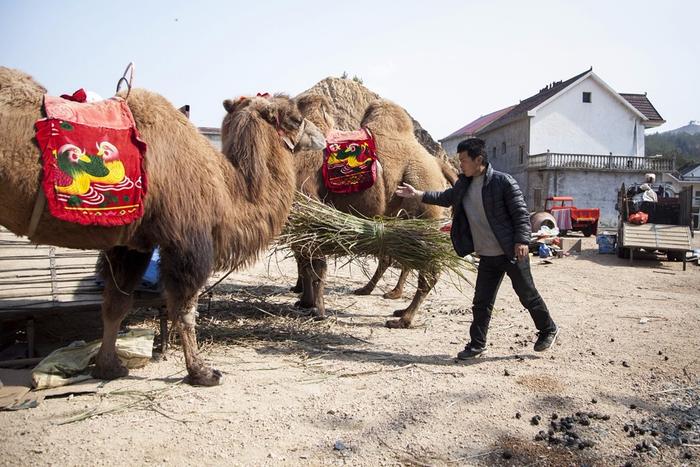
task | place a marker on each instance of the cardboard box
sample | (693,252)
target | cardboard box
(571,245)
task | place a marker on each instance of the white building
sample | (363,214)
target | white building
(577,137)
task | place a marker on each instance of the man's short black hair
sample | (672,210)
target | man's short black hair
(474,147)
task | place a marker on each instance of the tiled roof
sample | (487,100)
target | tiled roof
(641,103)
(471,128)
(533,101)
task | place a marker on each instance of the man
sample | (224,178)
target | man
(490,217)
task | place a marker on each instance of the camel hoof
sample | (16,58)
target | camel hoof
(320,317)
(109,372)
(399,313)
(397,324)
(363,291)
(393,295)
(296,289)
(312,311)
(303,304)
(205,377)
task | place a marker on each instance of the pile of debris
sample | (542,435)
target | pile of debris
(562,431)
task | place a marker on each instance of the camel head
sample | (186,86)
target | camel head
(261,127)
(282,113)
(383,116)
(318,109)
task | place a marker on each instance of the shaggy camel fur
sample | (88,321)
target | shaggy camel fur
(204,209)
(402,159)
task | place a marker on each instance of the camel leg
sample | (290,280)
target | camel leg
(397,291)
(185,270)
(307,299)
(313,282)
(426,282)
(382,265)
(298,287)
(122,270)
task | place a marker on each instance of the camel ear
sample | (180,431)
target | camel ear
(233,105)
(228,105)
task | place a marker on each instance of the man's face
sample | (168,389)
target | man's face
(469,166)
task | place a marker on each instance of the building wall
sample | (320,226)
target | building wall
(590,189)
(450,145)
(515,136)
(603,126)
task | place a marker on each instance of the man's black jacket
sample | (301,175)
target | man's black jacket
(505,210)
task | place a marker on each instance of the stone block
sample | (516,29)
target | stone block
(571,245)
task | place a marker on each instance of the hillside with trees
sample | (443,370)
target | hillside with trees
(681,144)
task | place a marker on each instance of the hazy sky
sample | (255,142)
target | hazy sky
(446,62)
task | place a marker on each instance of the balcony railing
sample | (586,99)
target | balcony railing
(555,160)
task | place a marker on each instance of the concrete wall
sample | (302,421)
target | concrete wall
(590,189)
(450,145)
(515,136)
(603,126)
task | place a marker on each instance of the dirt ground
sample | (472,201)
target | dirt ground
(350,391)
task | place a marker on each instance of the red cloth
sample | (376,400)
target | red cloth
(92,160)
(350,162)
(563,218)
(638,218)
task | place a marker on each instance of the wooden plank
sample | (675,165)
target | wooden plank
(38,279)
(657,236)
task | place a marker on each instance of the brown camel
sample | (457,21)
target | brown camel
(205,210)
(402,159)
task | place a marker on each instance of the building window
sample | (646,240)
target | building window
(587,97)
(493,152)
(503,147)
(521,155)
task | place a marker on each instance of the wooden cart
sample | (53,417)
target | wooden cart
(36,280)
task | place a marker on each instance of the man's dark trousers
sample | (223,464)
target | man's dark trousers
(488,280)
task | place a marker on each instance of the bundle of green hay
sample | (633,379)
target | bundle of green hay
(315,229)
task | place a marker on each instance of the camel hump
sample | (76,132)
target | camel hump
(18,89)
(384,116)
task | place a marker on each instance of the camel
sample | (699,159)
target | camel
(205,209)
(402,159)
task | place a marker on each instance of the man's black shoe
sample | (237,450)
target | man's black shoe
(471,352)
(545,340)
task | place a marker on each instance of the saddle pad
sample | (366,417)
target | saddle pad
(350,162)
(92,161)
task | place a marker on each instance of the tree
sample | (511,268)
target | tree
(683,146)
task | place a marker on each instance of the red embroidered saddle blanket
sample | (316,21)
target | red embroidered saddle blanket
(350,162)
(92,161)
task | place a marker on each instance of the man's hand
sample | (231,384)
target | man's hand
(521,251)
(407,191)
